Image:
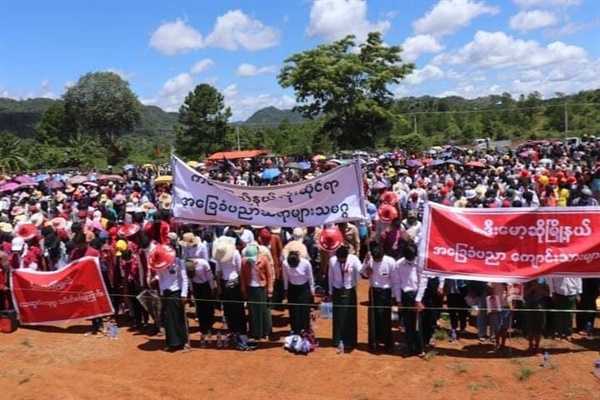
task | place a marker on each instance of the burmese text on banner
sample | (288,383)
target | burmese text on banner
(511,244)
(75,292)
(335,196)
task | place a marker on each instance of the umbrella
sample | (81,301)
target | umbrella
(446,154)
(163,179)
(60,177)
(270,173)
(24,179)
(127,167)
(54,184)
(9,187)
(111,177)
(335,160)
(331,164)
(92,184)
(414,163)
(475,164)
(379,185)
(546,161)
(77,179)
(41,177)
(304,165)
(293,165)
(452,161)
(437,163)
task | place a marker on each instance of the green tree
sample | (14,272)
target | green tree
(12,154)
(54,128)
(204,118)
(102,104)
(349,88)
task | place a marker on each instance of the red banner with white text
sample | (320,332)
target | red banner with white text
(75,292)
(511,244)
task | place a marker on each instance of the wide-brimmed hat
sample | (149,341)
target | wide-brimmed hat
(297,246)
(161,257)
(147,206)
(17,210)
(165,201)
(128,230)
(69,189)
(5,227)
(37,219)
(26,231)
(330,239)
(387,213)
(250,252)
(58,223)
(59,197)
(390,198)
(189,239)
(223,249)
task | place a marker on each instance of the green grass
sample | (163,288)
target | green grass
(430,355)
(525,373)
(474,386)
(459,367)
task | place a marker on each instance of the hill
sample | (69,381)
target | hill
(21,116)
(273,116)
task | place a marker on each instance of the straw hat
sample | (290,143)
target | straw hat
(17,210)
(330,239)
(189,239)
(296,246)
(161,257)
(59,197)
(387,213)
(165,201)
(5,227)
(223,249)
(37,219)
(58,223)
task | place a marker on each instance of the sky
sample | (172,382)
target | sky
(164,48)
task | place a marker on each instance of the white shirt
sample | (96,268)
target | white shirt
(410,278)
(200,250)
(344,275)
(566,286)
(203,273)
(173,278)
(230,269)
(383,272)
(298,276)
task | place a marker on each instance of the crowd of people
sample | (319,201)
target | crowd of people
(153,266)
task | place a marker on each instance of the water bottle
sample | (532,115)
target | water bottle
(329,310)
(453,337)
(546,360)
(209,338)
(589,330)
(341,347)
(224,323)
(219,340)
(202,341)
(597,368)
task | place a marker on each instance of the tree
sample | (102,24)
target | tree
(53,129)
(12,155)
(204,118)
(349,88)
(101,104)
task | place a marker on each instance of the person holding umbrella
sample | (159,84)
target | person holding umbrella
(173,283)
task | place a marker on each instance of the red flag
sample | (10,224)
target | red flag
(74,292)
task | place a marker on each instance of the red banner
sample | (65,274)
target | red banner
(511,244)
(74,292)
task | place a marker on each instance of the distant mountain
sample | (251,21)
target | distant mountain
(20,117)
(273,116)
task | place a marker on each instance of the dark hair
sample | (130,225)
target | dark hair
(410,251)
(377,253)
(79,237)
(76,227)
(342,252)
(143,239)
(293,259)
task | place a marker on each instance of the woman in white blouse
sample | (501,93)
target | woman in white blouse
(203,288)
(299,283)
(228,270)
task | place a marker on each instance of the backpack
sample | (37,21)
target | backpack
(243,343)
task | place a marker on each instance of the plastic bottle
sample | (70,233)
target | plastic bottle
(453,336)
(589,330)
(546,360)
(224,323)
(597,368)
(341,347)
(219,340)
(202,341)
(209,338)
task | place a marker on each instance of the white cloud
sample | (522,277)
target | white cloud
(427,73)
(243,105)
(420,44)
(246,70)
(572,27)
(202,66)
(173,92)
(498,50)
(176,37)
(448,16)
(528,20)
(547,3)
(334,19)
(125,75)
(235,29)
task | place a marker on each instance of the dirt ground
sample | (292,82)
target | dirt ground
(60,362)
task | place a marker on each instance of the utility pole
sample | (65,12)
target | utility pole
(237,132)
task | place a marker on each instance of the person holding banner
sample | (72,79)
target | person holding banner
(173,284)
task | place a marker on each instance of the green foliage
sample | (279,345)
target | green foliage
(204,129)
(349,89)
(12,156)
(103,105)
(54,128)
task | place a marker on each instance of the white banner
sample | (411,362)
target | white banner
(335,196)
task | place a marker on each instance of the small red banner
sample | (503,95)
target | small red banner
(74,292)
(512,244)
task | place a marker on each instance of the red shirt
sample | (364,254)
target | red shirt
(88,252)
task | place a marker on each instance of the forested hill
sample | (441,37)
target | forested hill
(21,116)
(528,113)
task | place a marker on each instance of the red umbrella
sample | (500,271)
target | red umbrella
(475,164)
(77,179)
(111,177)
